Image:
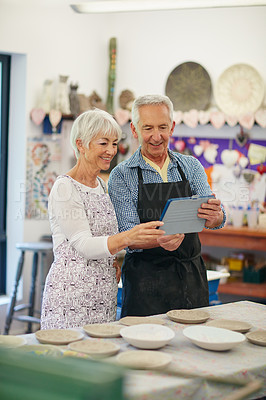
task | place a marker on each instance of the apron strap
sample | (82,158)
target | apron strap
(140,175)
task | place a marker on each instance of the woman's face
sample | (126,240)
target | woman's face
(101,151)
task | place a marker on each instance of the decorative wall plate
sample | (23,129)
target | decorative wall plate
(239,90)
(189,87)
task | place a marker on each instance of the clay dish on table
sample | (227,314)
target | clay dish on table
(103,330)
(141,320)
(188,316)
(144,359)
(233,325)
(58,336)
(97,348)
(147,336)
(11,341)
(257,337)
(211,338)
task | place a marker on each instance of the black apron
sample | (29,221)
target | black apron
(156,280)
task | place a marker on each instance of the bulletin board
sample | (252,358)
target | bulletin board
(238,184)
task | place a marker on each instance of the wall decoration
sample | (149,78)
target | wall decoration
(126,99)
(260,117)
(189,87)
(62,96)
(54,118)
(43,166)
(111,76)
(239,90)
(37,115)
(257,153)
(94,100)
(74,100)
(47,96)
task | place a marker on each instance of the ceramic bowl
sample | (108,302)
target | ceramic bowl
(211,338)
(147,336)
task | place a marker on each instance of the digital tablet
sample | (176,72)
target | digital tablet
(180,215)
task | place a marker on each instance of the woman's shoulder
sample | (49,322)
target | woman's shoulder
(62,188)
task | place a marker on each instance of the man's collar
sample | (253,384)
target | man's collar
(136,160)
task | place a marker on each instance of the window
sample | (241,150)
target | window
(4,117)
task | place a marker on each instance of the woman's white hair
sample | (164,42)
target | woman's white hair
(91,123)
(150,99)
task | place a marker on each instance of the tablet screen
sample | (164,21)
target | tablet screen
(180,215)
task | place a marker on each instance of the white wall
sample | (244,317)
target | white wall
(50,39)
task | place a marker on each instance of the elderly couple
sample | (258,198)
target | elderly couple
(160,272)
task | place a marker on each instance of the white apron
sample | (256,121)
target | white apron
(80,291)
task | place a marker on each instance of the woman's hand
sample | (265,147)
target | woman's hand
(212,212)
(117,270)
(171,242)
(142,236)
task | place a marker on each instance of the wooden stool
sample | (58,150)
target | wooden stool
(36,247)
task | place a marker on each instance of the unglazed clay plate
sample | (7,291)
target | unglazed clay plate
(103,330)
(95,347)
(233,325)
(257,337)
(140,320)
(58,336)
(188,316)
(11,341)
(211,338)
(144,359)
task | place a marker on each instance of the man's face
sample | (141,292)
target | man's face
(153,131)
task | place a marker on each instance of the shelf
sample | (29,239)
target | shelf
(257,290)
(231,237)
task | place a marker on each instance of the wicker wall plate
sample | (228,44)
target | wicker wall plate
(189,87)
(239,90)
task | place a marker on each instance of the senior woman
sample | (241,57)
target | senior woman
(81,286)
